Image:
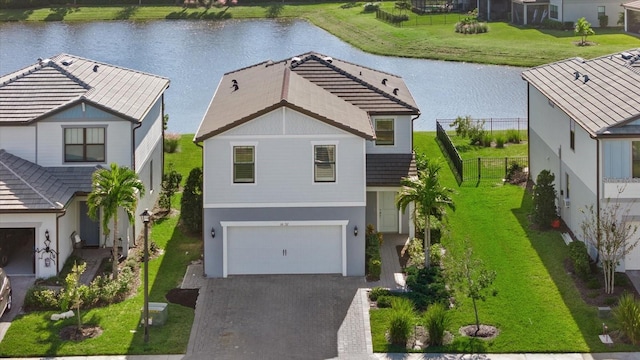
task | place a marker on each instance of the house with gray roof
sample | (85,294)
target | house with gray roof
(299,156)
(60,120)
(584,126)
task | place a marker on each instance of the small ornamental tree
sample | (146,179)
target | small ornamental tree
(610,235)
(544,200)
(170,185)
(73,292)
(583,29)
(191,204)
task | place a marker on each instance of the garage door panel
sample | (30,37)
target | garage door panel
(284,250)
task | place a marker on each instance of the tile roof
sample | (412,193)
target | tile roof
(26,186)
(389,169)
(53,84)
(599,94)
(316,85)
(633,5)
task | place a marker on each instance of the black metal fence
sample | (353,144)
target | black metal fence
(496,124)
(478,168)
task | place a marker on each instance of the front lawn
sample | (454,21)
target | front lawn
(537,308)
(33,334)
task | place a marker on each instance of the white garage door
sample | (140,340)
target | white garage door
(276,249)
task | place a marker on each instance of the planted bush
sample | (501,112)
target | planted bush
(500,140)
(627,314)
(401,323)
(171,142)
(371,7)
(377,292)
(41,298)
(513,136)
(580,259)
(373,266)
(427,286)
(384,301)
(436,320)
(544,200)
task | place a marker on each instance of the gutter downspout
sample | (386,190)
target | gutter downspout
(529,129)
(64,212)
(598,184)
(133,167)
(204,258)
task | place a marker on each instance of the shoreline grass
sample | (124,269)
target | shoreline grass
(426,37)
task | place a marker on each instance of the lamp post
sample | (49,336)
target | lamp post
(145,219)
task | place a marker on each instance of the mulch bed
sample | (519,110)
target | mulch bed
(486,332)
(597,297)
(184,297)
(72,332)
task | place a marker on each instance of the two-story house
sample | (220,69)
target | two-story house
(299,155)
(584,126)
(530,12)
(61,119)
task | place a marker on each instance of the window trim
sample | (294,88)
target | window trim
(84,143)
(393,130)
(254,146)
(572,135)
(551,12)
(315,144)
(603,12)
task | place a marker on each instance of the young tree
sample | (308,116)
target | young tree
(544,200)
(430,199)
(612,237)
(583,29)
(114,188)
(73,291)
(469,277)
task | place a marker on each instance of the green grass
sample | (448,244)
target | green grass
(426,36)
(33,334)
(538,308)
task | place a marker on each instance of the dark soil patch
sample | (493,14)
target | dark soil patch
(86,332)
(592,291)
(486,332)
(184,297)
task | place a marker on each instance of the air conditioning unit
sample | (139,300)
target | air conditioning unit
(567,202)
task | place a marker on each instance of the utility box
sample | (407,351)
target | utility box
(158,313)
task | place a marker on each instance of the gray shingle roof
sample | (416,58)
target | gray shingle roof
(25,186)
(54,84)
(389,169)
(323,88)
(609,95)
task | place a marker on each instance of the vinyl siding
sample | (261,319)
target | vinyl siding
(284,164)
(616,159)
(19,140)
(572,10)
(403,137)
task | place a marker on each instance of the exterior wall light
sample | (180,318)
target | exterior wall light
(355,231)
(213,232)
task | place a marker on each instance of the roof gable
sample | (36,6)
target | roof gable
(54,84)
(600,94)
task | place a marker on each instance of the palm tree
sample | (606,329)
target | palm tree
(112,189)
(430,198)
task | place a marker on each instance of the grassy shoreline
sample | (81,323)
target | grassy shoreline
(427,36)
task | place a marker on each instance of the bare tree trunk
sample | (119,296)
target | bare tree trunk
(114,269)
(427,242)
(475,309)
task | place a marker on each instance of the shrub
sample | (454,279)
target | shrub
(373,260)
(603,20)
(171,142)
(427,286)
(552,24)
(416,251)
(371,7)
(627,314)
(384,301)
(580,259)
(593,283)
(500,140)
(377,292)
(402,318)
(375,268)
(41,298)
(568,25)
(462,125)
(473,28)
(170,185)
(513,136)
(435,255)
(486,139)
(191,203)
(544,200)
(477,132)
(436,319)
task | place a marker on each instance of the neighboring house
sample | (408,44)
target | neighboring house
(632,16)
(529,12)
(299,156)
(584,126)
(61,119)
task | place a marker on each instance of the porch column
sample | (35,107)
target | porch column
(412,224)
(525,13)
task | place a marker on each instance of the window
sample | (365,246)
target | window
(635,159)
(325,163)
(572,134)
(601,12)
(384,132)
(244,164)
(151,177)
(84,144)
(553,12)
(566,176)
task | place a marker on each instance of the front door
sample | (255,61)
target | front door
(89,229)
(388,213)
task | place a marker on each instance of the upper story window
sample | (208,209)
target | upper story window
(601,12)
(572,134)
(84,144)
(553,12)
(635,159)
(244,164)
(324,169)
(385,134)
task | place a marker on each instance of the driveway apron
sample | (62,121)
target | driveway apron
(271,317)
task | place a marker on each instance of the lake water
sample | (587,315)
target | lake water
(195,54)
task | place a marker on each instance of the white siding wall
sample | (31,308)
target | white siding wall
(575,9)
(148,135)
(50,136)
(283,141)
(19,141)
(403,137)
(67,224)
(41,222)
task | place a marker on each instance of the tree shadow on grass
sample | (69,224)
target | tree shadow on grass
(185,14)
(59,13)
(15,15)
(49,333)
(274,10)
(126,12)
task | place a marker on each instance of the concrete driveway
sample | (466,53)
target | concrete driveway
(19,287)
(271,317)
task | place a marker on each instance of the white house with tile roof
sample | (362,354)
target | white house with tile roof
(299,155)
(531,12)
(584,126)
(60,119)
